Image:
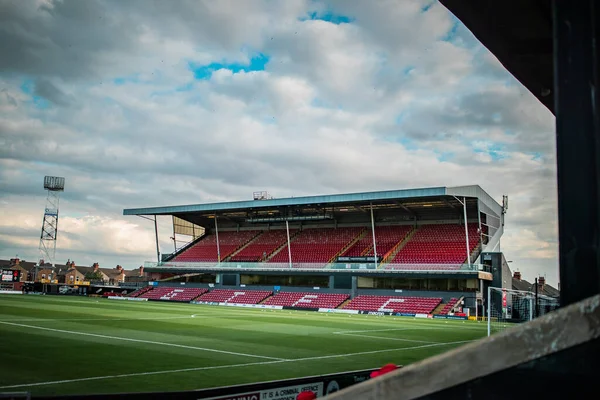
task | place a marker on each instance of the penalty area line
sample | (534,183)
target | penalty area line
(142,341)
(172,371)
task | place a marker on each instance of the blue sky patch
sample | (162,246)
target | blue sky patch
(407,70)
(451,34)
(445,156)
(536,156)
(28,87)
(127,79)
(495,150)
(204,72)
(328,16)
(408,144)
(426,7)
(401,117)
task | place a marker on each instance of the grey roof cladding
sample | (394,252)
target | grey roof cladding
(304,200)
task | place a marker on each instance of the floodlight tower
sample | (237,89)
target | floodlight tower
(53,185)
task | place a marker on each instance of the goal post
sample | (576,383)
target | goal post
(507,308)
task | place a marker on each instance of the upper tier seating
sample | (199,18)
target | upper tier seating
(409,305)
(235,296)
(451,303)
(386,237)
(173,294)
(205,250)
(139,291)
(438,244)
(307,300)
(262,246)
(317,245)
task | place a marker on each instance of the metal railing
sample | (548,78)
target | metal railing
(367,267)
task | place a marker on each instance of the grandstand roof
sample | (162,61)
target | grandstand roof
(413,201)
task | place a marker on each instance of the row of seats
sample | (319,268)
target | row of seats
(430,244)
(173,294)
(318,245)
(206,249)
(262,247)
(438,244)
(386,238)
(451,303)
(140,291)
(307,300)
(410,305)
(235,296)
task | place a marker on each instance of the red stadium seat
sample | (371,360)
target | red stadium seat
(262,247)
(408,305)
(173,293)
(317,245)
(235,296)
(386,238)
(307,300)
(451,303)
(437,244)
(139,292)
(205,250)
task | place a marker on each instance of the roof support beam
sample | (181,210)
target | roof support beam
(408,210)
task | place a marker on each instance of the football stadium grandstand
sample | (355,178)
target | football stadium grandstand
(431,251)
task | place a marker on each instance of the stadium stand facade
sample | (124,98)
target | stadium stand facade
(415,250)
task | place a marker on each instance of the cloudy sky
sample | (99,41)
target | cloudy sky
(147,103)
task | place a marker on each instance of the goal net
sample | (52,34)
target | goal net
(507,308)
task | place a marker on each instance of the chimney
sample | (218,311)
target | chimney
(141,270)
(541,282)
(517,275)
(96,266)
(119,268)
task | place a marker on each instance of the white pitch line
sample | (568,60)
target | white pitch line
(97,319)
(92,378)
(380,330)
(141,341)
(386,338)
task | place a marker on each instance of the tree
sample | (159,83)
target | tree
(93,276)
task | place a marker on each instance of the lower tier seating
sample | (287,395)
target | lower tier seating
(409,305)
(451,303)
(235,296)
(173,294)
(307,300)
(139,291)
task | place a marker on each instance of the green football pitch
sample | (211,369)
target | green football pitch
(76,345)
